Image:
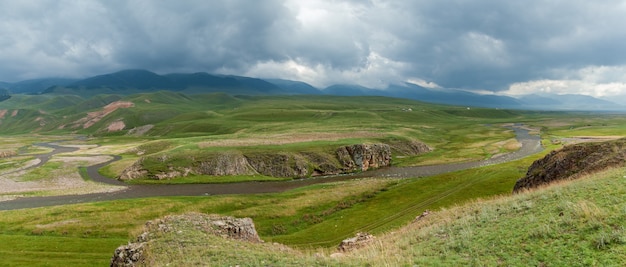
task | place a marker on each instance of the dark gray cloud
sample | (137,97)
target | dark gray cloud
(489,45)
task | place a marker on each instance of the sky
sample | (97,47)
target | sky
(486,46)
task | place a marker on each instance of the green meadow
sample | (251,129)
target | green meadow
(314,219)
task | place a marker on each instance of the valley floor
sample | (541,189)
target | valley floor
(71,188)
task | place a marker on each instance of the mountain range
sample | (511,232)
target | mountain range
(128,82)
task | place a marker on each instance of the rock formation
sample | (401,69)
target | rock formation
(279,164)
(223,226)
(362,157)
(359,157)
(359,240)
(421,216)
(573,161)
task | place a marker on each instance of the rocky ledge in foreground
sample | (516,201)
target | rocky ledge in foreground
(572,161)
(224,226)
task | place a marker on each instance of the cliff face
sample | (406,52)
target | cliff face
(573,161)
(361,157)
(358,157)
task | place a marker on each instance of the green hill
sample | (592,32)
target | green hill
(162,109)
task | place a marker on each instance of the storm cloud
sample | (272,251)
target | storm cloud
(504,47)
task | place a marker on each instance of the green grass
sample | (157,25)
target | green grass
(27,250)
(310,217)
(42,172)
(83,173)
(577,223)
(572,224)
(220,116)
(117,219)
(398,204)
(205,179)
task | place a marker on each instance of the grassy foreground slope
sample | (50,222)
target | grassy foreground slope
(580,223)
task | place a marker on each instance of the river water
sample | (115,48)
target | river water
(531,144)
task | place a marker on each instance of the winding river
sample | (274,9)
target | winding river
(531,144)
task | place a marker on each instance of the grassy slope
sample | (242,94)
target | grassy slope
(578,223)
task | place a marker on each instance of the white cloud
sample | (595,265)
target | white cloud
(424,83)
(596,81)
(376,72)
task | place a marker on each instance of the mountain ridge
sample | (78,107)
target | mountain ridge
(133,81)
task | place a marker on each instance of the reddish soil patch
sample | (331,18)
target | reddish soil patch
(116,126)
(94,117)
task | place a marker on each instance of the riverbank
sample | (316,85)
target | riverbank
(530,144)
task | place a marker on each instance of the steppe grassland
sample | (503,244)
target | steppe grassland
(572,223)
(109,224)
(83,225)
(520,230)
(291,124)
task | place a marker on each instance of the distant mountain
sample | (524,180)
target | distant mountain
(201,79)
(295,87)
(36,86)
(538,100)
(137,81)
(451,96)
(352,90)
(568,102)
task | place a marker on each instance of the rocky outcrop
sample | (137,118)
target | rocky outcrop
(128,255)
(218,164)
(227,163)
(279,164)
(573,161)
(223,226)
(359,240)
(362,157)
(359,157)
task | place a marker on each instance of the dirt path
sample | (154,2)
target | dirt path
(531,144)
